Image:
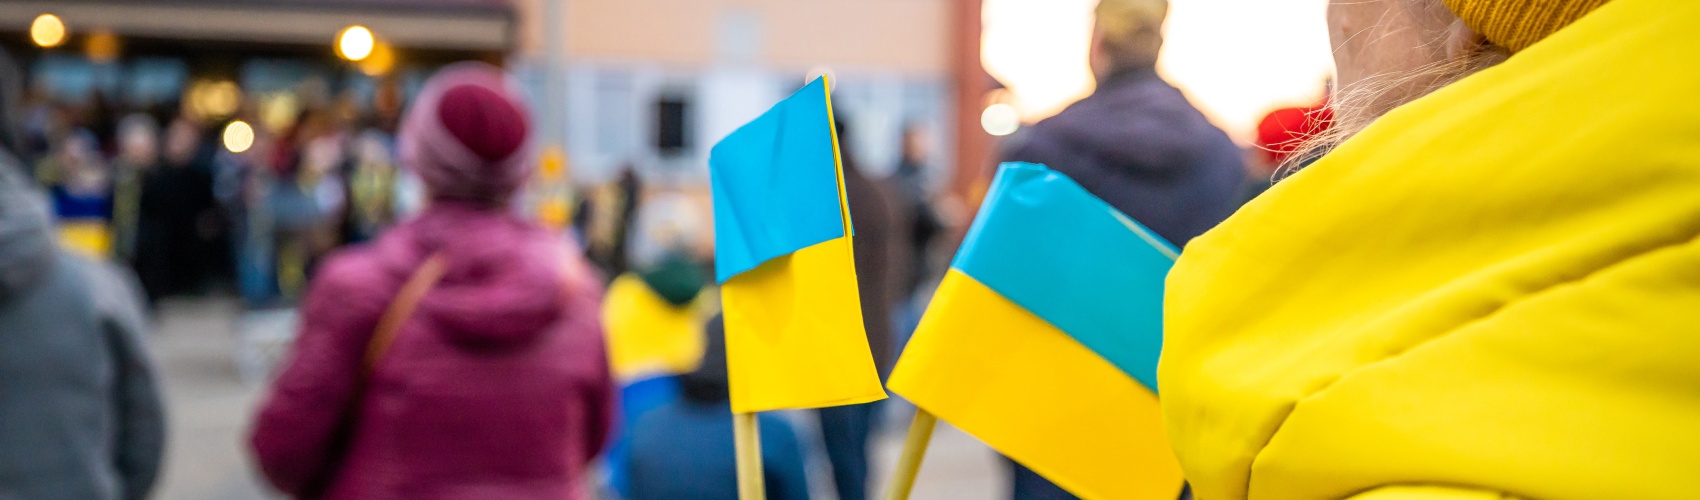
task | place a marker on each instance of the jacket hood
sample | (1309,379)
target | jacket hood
(505,282)
(26,240)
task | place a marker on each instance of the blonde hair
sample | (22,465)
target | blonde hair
(1358,106)
(1131,29)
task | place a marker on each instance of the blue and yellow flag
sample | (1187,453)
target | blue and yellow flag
(794,336)
(1043,339)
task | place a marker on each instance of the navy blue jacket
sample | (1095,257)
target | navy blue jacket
(1141,146)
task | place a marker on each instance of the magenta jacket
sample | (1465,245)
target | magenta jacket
(497,387)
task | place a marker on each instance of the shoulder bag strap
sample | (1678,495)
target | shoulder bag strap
(401,309)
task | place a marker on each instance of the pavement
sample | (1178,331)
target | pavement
(195,346)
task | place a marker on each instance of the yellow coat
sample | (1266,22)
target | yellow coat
(1492,292)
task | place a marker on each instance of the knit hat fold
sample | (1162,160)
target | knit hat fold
(468,135)
(1517,24)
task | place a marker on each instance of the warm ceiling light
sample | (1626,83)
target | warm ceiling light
(355,43)
(238,136)
(48,30)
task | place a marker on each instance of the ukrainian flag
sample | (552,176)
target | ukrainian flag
(794,336)
(1043,339)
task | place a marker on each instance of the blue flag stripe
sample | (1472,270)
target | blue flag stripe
(775,184)
(1049,246)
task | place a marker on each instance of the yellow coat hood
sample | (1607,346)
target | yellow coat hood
(1493,291)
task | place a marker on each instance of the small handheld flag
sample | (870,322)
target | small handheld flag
(1043,339)
(782,239)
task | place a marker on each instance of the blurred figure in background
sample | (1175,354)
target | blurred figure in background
(1137,143)
(82,197)
(80,417)
(918,225)
(497,384)
(684,449)
(881,258)
(654,316)
(138,154)
(175,212)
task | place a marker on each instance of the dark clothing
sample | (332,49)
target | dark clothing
(918,225)
(1137,143)
(845,431)
(80,416)
(170,249)
(1029,485)
(685,450)
(879,260)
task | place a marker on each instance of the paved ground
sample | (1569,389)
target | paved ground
(194,344)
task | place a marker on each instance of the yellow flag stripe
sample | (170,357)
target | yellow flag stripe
(794,334)
(1032,392)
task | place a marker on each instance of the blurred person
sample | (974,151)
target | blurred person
(496,385)
(1486,289)
(1137,143)
(82,197)
(684,449)
(138,154)
(610,213)
(921,225)
(654,318)
(880,259)
(82,418)
(371,187)
(174,213)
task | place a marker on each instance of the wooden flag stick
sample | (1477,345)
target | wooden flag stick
(746,435)
(914,450)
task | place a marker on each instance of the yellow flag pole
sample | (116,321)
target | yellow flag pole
(914,450)
(746,435)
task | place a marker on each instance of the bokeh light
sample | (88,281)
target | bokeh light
(380,62)
(48,31)
(1000,119)
(238,136)
(355,43)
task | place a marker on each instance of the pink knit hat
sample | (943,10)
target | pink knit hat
(469,135)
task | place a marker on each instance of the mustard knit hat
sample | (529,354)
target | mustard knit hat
(1517,24)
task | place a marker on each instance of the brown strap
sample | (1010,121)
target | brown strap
(402,308)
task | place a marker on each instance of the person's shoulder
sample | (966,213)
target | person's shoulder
(113,290)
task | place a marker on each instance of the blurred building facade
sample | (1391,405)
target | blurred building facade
(654,83)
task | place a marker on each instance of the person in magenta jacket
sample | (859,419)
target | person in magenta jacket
(497,383)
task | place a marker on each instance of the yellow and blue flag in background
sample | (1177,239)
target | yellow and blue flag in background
(1042,341)
(794,336)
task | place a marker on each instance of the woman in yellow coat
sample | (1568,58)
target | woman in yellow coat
(1491,289)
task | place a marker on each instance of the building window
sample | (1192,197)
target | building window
(672,125)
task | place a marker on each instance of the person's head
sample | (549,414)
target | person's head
(182,142)
(469,135)
(1390,52)
(1126,34)
(138,140)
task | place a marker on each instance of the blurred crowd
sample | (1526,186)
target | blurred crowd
(197,203)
